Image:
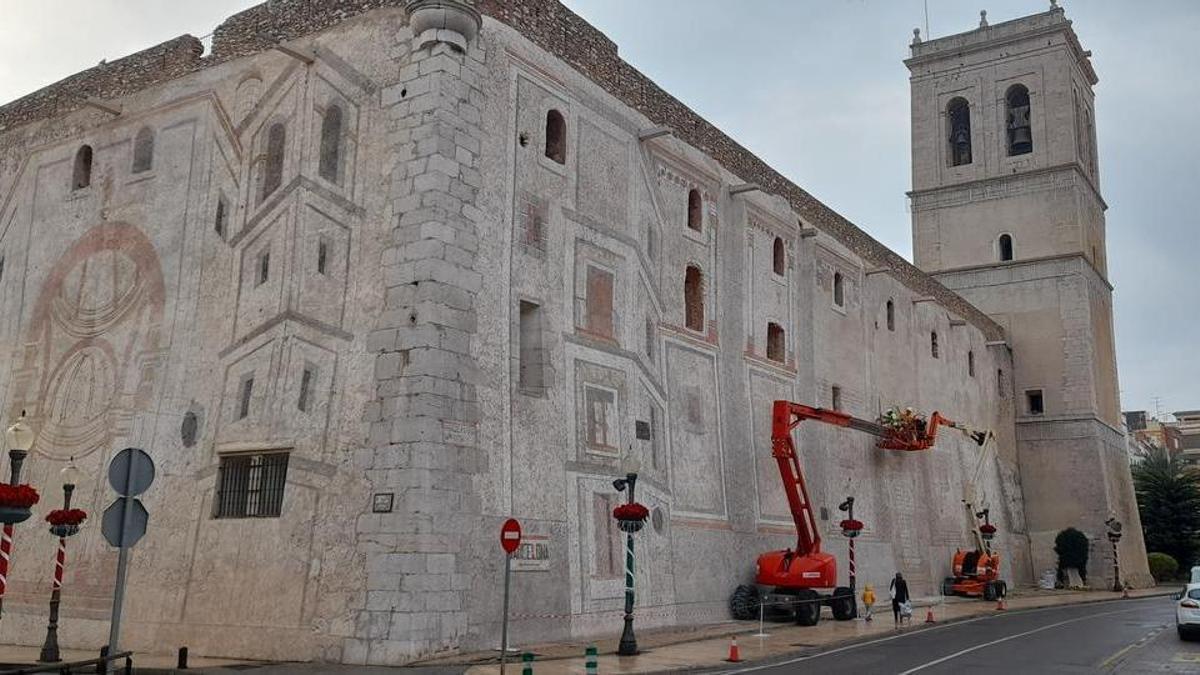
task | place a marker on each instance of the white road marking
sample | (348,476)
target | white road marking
(859,645)
(977,647)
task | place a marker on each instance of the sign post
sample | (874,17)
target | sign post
(130,473)
(510,540)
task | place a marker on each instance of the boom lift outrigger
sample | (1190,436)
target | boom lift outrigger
(795,574)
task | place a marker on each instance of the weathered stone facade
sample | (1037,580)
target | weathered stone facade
(1019,231)
(444,262)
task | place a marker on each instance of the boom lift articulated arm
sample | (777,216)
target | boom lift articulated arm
(786,416)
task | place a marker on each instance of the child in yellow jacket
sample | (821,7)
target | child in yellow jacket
(868,598)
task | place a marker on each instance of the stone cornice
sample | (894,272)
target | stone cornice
(926,194)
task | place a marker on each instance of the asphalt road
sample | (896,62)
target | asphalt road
(1124,636)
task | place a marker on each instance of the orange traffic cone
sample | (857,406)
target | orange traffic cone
(734,655)
(1000,606)
(929,616)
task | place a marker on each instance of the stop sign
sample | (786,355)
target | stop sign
(510,536)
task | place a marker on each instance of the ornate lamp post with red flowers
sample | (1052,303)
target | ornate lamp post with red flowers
(64,523)
(851,528)
(631,517)
(15,499)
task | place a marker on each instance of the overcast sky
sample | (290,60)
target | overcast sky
(817,88)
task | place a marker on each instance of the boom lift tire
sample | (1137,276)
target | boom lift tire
(807,607)
(948,586)
(842,603)
(743,604)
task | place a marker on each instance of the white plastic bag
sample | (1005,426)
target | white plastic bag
(906,609)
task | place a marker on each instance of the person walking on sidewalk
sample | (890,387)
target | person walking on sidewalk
(898,590)
(868,599)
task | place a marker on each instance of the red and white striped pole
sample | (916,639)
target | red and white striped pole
(5,554)
(852,569)
(59,561)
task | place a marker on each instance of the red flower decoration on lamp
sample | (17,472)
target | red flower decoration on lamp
(633,511)
(18,496)
(66,516)
(851,527)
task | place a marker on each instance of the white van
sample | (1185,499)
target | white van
(1196,575)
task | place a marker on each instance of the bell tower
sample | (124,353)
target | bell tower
(1007,212)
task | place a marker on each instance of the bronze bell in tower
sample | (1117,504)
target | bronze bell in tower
(1019,134)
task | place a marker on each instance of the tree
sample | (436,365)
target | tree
(1168,496)
(1071,545)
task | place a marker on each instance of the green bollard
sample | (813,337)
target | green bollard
(591,666)
(527,661)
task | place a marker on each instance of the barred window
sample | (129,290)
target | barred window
(251,486)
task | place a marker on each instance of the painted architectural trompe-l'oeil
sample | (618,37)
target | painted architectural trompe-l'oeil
(367,281)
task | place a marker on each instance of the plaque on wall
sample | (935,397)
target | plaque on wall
(382,502)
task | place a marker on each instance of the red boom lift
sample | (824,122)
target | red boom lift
(794,575)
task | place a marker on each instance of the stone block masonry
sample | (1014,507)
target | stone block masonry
(465,298)
(425,417)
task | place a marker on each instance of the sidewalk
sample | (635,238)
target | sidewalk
(708,646)
(13,657)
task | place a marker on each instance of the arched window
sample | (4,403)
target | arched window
(779,257)
(82,176)
(1020,133)
(272,171)
(959,114)
(1005,247)
(695,210)
(331,144)
(933,345)
(556,137)
(839,294)
(775,342)
(143,150)
(971,363)
(693,298)
(891,315)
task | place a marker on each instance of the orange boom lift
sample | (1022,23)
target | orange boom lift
(796,576)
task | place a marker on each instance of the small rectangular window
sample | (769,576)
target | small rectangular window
(600,302)
(656,460)
(244,402)
(264,268)
(601,418)
(836,398)
(1,268)
(531,360)
(971,363)
(306,381)
(251,486)
(220,217)
(322,256)
(1034,402)
(607,563)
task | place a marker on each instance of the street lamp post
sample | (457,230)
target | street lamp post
(1114,536)
(70,478)
(20,439)
(848,507)
(628,645)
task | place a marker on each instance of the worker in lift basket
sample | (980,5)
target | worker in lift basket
(868,600)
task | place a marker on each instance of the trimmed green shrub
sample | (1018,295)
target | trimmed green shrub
(1162,566)
(1071,545)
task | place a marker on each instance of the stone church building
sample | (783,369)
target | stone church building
(367,277)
